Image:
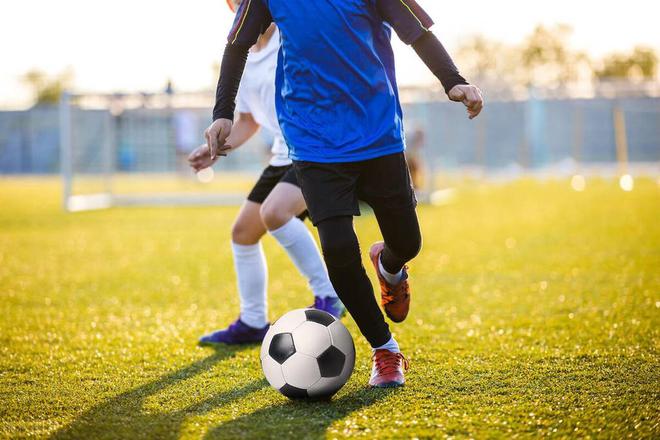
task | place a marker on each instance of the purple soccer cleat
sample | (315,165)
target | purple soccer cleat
(332,305)
(237,333)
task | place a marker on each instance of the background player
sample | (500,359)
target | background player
(338,107)
(274,204)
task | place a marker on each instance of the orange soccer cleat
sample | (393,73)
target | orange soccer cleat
(388,369)
(395,299)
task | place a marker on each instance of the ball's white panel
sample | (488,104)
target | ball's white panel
(301,371)
(265,344)
(273,372)
(341,338)
(326,387)
(289,321)
(311,338)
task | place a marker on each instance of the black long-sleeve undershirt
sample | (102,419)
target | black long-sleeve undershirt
(436,58)
(231,71)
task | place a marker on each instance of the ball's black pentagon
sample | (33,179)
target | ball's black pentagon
(281,347)
(292,392)
(319,316)
(331,362)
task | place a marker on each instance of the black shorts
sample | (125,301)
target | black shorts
(334,189)
(271,176)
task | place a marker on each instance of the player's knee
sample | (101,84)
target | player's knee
(241,233)
(339,243)
(274,216)
(340,252)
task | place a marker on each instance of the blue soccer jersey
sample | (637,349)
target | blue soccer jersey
(336,92)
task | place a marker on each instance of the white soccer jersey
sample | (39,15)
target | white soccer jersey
(256,95)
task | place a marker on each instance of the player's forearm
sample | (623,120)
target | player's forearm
(231,71)
(243,129)
(436,58)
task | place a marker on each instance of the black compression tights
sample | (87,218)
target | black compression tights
(341,252)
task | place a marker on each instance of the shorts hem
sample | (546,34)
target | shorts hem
(337,213)
(268,180)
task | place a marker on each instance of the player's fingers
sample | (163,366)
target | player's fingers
(474,102)
(197,153)
(479,105)
(475,112)
(471,97)
(196,164)
(213,143)
(222,137)
(207,136)
(478,108)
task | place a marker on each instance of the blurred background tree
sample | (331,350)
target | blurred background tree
(47,89)
(546,59)
(491,64)
(641,63)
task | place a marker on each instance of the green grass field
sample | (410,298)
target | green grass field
(536,312)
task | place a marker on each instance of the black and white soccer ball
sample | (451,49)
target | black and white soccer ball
(307,353)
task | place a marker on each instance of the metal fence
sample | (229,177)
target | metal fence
(527,134)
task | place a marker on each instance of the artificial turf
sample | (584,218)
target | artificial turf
(535,312)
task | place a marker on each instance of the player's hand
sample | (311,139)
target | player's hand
(216,135)
(200,158)
(470,96)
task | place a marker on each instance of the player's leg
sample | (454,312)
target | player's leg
(252,280)
(330,194)
(281,205)
(250,266)
(342,256)
(387,187)
(385,184)
(280,213)
(341,251)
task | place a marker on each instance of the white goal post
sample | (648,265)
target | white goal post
(130,150)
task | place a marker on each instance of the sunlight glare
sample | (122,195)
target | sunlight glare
(626,182)
(578,183)
(206,175)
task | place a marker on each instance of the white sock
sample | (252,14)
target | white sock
(252,277)
(392,278)
(298,242)
(390,345)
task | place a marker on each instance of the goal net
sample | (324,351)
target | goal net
(123,150)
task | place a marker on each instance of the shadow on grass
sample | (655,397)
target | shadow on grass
(123,416)
(298,418)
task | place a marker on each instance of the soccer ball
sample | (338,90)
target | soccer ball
(307,353)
